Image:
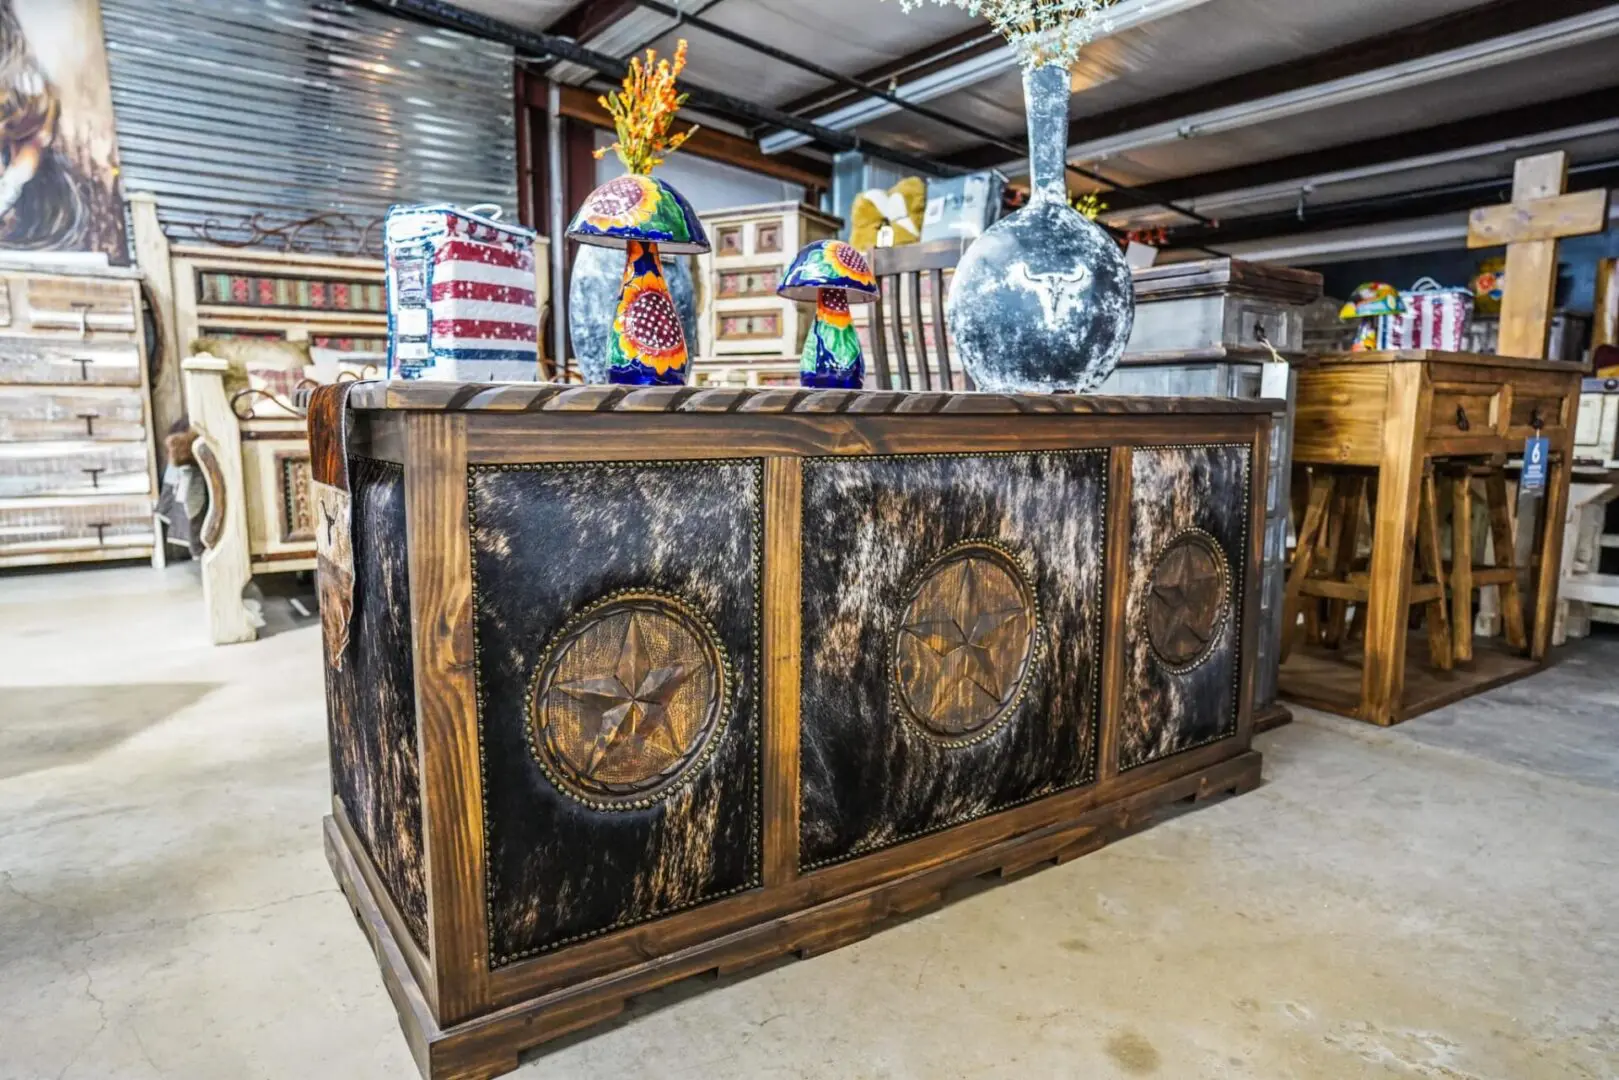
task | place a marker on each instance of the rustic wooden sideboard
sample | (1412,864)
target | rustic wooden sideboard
(640,684)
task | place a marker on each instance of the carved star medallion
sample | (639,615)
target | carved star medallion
(966,642)
(1187,600)
(627,698)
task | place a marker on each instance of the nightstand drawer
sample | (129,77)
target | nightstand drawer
(1462,410)
(97,413)
(77,306)
(73,468)
(60,529)
(69,363)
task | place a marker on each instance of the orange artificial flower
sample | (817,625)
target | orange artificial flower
(643,111)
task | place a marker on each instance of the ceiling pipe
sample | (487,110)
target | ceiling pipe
(1264,192)
(1562,34)
(1126,15)
(548,47)
(782,56)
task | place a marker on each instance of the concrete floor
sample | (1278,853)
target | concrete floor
(1437,901)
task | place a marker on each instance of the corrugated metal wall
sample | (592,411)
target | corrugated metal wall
(293,108)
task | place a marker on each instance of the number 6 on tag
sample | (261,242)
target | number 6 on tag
(1535,452)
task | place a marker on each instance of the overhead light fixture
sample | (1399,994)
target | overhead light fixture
(1563,34)
(1126,15)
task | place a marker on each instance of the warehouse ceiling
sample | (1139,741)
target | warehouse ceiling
(1272,116)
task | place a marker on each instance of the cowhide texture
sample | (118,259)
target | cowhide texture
(1175,489)
(376,769)
(547,542)
(869,778)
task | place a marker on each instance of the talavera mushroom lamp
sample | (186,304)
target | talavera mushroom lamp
(834,275)
(641,215)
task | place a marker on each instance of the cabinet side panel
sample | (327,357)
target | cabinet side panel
(376,770)
(1187,580)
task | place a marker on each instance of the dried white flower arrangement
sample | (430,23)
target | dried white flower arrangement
(1043,32)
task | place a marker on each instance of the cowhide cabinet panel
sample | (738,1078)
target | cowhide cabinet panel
(952,629)
(376,764)
(616,614)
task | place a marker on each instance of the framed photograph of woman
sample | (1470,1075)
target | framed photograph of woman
(58,151)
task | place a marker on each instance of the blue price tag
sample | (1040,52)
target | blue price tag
(1535,452)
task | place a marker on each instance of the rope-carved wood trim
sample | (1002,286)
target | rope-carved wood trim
(555,397)
(213,522)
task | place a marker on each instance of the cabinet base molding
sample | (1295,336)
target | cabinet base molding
(489,1045)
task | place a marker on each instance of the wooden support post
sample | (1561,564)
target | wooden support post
(1321,487)
(784,509)
(440,562)
(1432,560)
(1461,566)
(1394,533)
(1503,534)
(1530,227)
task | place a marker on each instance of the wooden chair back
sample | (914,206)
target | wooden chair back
(899,272)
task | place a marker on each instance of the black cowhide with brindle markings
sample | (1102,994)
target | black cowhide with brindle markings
(548,541)
(870,779)
(372,716)
(1175,489)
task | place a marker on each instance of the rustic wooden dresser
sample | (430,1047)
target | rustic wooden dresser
(640,684)
(78,475)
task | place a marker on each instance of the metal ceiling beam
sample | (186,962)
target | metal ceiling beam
(1404,150)
(532,45)
(1448,33)
(1381,209)
(580,104)
(1016,146)
(1126,15)
(970,43)
(1307,188)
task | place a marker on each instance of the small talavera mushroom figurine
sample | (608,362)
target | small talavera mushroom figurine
(642,214)
(834,275)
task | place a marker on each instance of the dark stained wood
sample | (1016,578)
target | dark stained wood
(1248,647)
(1120,479)
(446,711)
(500,439)
(555,397)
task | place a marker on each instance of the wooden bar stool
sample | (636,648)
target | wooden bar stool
(1467,575)
(1327,565)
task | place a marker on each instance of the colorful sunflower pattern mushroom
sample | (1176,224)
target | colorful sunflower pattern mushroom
(834,275)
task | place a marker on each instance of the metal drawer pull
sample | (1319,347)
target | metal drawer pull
(95,475)
(1462,423)
(89,419)
(84,363)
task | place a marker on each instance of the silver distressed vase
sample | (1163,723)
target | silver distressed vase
(598,275)
(1043,300)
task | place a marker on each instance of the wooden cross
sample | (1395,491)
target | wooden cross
(1530,226)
